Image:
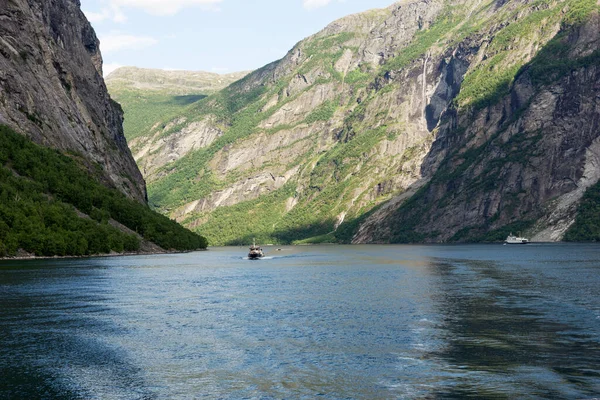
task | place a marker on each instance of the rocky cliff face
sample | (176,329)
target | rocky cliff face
(52,90)
(425,121)
(150,96)
(523,160)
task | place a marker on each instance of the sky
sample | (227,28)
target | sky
(220,36)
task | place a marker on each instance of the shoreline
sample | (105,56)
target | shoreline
(130,254)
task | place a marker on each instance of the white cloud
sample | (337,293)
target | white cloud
(312,4)
(95,18)
(114,10)
(112,13)
(116,41)
(110,67)
(117,15)
(165,7)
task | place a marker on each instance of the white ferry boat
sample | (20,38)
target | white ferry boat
(511,239)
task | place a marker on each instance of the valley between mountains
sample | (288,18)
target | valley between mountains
(427,121)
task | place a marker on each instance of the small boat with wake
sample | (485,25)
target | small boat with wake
(255,252)
(511,239)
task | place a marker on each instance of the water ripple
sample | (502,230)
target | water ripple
(372,322)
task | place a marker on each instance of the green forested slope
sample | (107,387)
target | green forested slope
(587,224)
(353,133)
(41,192)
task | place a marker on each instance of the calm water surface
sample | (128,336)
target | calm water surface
(367,322)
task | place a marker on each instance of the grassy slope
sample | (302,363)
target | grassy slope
(41,191)
(331,184)
(190,177)
(151,96)
(143,109)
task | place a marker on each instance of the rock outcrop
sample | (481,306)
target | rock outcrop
(148,96)
(527,157)
(425,121)
(52,90)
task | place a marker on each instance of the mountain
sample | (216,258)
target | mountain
(428,121)
(149,96)
(173,82)
(52,88)
(68,182)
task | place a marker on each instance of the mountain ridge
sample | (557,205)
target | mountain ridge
(355,117)
(173,81)
(150,96)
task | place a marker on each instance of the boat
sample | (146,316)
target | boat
(511,239)
(255,252)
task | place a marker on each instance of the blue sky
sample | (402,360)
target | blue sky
(209,35)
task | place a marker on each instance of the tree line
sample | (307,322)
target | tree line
(43,193)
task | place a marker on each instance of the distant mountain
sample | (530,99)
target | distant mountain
(428,121)
(149,96)
(68,182)
(174,82)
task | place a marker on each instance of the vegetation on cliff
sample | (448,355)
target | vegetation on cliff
(43,194)
(587,224)
(149,96)
(498,153)
(311,146)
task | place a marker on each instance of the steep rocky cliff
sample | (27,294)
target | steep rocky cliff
(425,121)
(68,183)
(52,90)
(520,160)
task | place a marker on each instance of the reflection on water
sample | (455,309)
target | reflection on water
(373,322)
(517,329)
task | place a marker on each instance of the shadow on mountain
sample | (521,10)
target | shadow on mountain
(315,231)
(461,172)
(188,99)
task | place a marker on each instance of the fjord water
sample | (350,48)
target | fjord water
(376,322)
